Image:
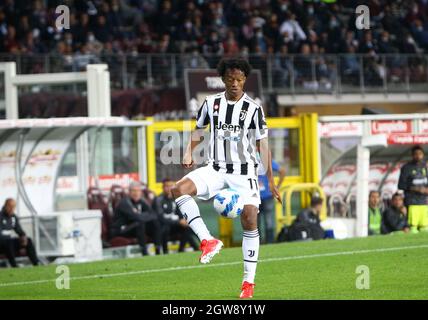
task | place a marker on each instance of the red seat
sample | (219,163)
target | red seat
(97,201)
(122,241)
(117,193)
(148,194)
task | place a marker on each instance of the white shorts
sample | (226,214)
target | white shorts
(209,182)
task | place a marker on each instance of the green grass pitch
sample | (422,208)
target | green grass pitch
(398,266)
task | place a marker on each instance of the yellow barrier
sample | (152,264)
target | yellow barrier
(286,218)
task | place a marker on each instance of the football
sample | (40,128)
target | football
(228,203)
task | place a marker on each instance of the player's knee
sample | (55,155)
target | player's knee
(177,191)
(182,188)
(249,218)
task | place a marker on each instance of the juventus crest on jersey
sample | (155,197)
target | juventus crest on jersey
(234,129)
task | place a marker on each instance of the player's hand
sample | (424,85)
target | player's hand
(275,193)
(183,222)
(187,161)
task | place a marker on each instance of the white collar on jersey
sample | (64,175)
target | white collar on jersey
(234,102)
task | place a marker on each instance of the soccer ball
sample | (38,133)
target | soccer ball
(228,203)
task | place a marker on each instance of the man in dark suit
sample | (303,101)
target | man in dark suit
(9,243)
(134,218)
(171,219)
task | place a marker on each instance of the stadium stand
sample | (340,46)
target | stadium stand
(149,43)
(259,26)
(299,47)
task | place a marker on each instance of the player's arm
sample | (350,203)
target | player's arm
(281,176)
(195,140)
(266,158)
(261,133)
(202,120)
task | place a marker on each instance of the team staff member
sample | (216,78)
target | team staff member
(394,218)
(375,216)
(414,182)
(9,245)
(133,217)
(171,219)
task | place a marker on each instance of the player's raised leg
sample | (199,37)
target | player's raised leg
(250,249)
(183,192)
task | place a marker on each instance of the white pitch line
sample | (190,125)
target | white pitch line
(310,256)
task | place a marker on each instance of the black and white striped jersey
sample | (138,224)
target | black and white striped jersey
(234,129)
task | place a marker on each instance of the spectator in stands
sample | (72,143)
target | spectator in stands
(171,219)
(282,22)
(292,27)
(413,181)
(282,67)
(213,28)
(194,60)
(350,66)
(134,218)
(420,32)
(385,44)
(267,205)
(9,244)
(394,218)
(375,217)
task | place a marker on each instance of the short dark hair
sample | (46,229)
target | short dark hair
(416,148)
(233,63)
(397,194)
(315,201)
(6,202)
(167,179)
(373,191)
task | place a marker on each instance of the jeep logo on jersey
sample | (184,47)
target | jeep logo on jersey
(243,115)
(228,127)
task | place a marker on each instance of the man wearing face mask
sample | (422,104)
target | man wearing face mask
(9,244)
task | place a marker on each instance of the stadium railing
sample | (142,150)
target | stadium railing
(284,73)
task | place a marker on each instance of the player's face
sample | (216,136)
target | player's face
(418,155)
(234,80)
